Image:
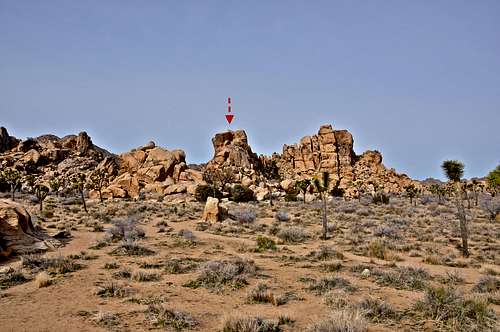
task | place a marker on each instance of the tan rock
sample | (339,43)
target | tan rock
(114,191)
(287,184)
(212,213)
(17,232)
(261,193)
(131,161)
(177,188)
(152,174)
(128,183)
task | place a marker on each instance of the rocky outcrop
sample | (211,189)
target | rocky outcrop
(231,151)
(17,234)
(332,151)
(152,169)
(6,142)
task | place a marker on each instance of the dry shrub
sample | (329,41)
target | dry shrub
(43,280)
(292,234)
(343,320)
(161,316)
(240,323)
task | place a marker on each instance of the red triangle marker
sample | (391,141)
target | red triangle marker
(229,118)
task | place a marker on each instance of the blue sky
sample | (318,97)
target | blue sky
(417,80)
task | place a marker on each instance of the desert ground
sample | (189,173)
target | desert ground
(139,265)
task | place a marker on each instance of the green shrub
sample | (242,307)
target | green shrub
(241,193)
(265,243)
(203,191)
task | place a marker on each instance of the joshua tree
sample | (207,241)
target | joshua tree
(493,180)
(411,192)
(98,180)
(78,183)
(322,188)
(55,184)
(14,179)
(30,182)
(454,171)
(439,191)
(41,192)
(302,186)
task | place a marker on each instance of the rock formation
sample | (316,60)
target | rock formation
(332,151)
(17,234)
(329,151)
(152,169)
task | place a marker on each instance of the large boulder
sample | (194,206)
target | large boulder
(212,212)
(232,150)
(17,234)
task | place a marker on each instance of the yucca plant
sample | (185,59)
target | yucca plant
(322,188)
(78,182)
(454,170)
(302,186)
(14,179)
(98,180)
(41,192)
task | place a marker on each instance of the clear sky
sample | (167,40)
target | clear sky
(417,80)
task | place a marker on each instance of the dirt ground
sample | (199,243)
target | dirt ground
(391,253)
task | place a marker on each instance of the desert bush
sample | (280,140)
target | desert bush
(215,275)
(187,234)
(239,323)
(240,193)
(54,265)
(491,206)
(111,265)
(125,229)
(387,231)
(203,191)
(12,277)
(487,284)
(336,299)
(403,277)
(376,310)
(451,311)
(261,293)
(244,215)
(265,243)
(43,280)
(326,284)
(142,276)
(131,248)
(180,265)
(452,278)
(325,253)
(343,320)
(112,289)
(106,319)
(282,216)
(125,273)
(378,248)
(161,316)
(292,234)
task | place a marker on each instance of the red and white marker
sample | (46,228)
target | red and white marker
(229,116)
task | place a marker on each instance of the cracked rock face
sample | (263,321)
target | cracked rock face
(332,151)
(17,233)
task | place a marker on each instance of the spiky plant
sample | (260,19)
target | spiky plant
(411,192)
(78,183)
(41,192)
(98,180)
(14,179)
(454,171)
(322,188)
(302,186)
